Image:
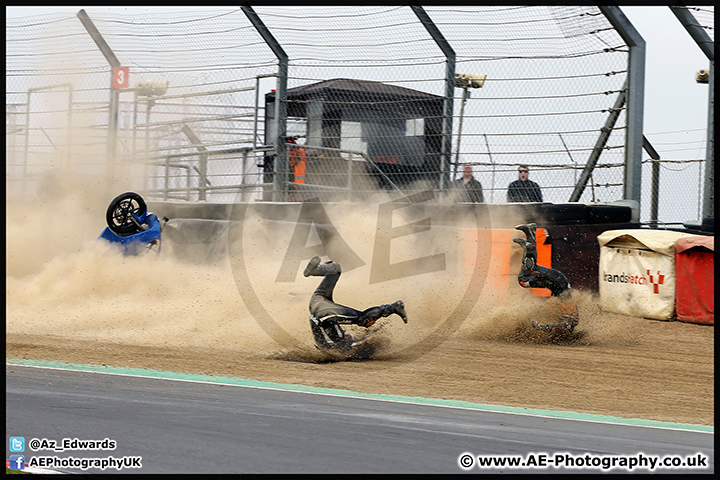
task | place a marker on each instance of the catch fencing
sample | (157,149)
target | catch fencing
(188,111)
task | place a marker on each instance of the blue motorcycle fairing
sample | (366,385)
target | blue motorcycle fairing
(135,243)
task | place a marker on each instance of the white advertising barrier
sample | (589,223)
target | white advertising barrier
(637,272)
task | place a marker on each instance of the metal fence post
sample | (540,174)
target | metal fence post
(446,144)
(655,195)
(709,188)
(202,162)
(605,131)
(114,94)
(635,100)
(707,45)
(281,163)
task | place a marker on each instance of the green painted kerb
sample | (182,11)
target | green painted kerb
(246,382)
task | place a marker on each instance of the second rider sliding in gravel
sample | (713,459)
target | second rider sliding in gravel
(533,275)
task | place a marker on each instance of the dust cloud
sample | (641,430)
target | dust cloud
(423,264)
(509,322)
(61,281)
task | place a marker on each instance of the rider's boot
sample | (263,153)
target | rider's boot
(529,253)
(311,266)
(528,229)
(399,309)
(372,314)
(317,269)
(520,241)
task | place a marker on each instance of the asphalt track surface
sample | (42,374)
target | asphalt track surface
(191,425)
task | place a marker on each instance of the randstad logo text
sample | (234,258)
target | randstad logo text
(655,280)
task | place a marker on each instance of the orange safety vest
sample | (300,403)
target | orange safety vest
(297,161)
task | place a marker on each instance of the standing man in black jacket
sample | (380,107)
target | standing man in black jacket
(467,188)
(522,189)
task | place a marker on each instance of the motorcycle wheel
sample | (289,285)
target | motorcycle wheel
(119,213)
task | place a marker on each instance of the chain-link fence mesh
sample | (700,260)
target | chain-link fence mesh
(705,18)
(673,181)
(365,93)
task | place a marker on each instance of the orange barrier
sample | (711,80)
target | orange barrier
(544,258)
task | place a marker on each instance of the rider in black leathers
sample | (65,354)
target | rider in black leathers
(326,316)
(533,275)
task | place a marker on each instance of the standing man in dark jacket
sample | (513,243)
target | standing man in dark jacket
(522,189)
(467,189)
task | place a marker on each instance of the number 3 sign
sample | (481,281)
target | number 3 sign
(120,77)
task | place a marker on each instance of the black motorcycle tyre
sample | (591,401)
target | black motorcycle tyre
(118,215)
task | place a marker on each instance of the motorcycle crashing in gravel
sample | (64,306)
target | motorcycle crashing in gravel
(131,226)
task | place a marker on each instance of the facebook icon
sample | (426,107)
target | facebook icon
(17,462)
